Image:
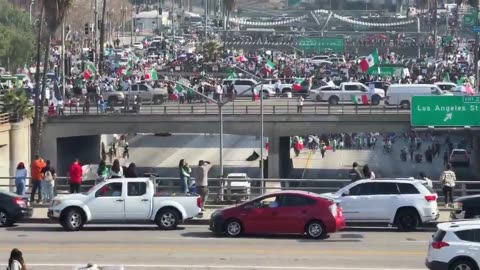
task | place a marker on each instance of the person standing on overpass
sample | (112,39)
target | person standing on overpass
(201,180)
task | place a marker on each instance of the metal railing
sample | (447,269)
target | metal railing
(221,190)
(288,106)
(4,118)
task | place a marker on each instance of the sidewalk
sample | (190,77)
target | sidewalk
(40,215)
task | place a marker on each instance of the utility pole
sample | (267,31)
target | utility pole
(95,26)
(435,28)
(102,37)
(206,18)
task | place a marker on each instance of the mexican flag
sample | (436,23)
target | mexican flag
(370,61)
(90,71)
(297,84)
(152,75)
(232,75)
(362,100)
(269,66)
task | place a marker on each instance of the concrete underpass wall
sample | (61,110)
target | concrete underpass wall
(86,148)
(4,152)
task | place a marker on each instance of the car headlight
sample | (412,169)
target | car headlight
(56,202)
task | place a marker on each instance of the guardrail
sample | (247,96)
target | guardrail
(221,189)
(4,118)
(240,108)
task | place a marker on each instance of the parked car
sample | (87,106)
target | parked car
(138,45)
(455,246)
(144,91)
(238,189)
(460,158)
(243,87)
(466,207)
(13,208)
(284,212)
(128,200)
(405,203)
(346,92)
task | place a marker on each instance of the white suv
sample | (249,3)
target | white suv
(406,203)
(243,87)
(455,246)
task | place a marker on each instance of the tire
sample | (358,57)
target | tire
(5,220)
(333,100)
(233,228)
(405,105)
(407,220)
(315,230)
(113,100)
(375,100)
(463,264)
(158,99)
(167,219)
(73,220)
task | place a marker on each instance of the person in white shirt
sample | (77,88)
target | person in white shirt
(219,92)
(16,261)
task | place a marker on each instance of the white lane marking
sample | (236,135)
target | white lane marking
(415,241)
(186,266)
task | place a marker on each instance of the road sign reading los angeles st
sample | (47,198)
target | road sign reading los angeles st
(445,111)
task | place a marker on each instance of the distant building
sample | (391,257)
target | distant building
(146,21)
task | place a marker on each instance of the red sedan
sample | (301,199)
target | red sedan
(284,212)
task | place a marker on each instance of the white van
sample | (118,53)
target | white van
(401,94)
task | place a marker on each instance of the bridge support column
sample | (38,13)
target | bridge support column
(475,156)
(279,162)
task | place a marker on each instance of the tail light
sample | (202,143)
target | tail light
(199,202)
(439,245)
(20,202)
(431,198)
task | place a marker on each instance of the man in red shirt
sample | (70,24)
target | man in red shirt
(75,176)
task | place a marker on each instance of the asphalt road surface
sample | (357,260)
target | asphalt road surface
(194,247)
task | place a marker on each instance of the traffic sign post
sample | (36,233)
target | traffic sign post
(445,111)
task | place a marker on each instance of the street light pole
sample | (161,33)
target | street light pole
(63,59)
(206,17)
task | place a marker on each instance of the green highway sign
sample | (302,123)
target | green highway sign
(469,20)
(445,111)
(321,44)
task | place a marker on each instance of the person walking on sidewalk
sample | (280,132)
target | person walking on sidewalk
(75,176)
(36,173)
(447,179)
(201,180)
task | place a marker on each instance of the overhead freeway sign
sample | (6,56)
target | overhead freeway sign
(445,111)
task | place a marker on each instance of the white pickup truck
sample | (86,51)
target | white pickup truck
(346,92)
(123,200)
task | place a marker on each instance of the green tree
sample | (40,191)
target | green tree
(17,104)
(16,42)
(212,49)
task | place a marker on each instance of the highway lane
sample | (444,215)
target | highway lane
(48,247)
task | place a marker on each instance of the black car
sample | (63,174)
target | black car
(466,207)
(13,208)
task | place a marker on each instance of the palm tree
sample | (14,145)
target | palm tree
(102,37)
(212,49)
(55,11)
(17,104)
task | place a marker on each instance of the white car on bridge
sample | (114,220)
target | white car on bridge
(124,200)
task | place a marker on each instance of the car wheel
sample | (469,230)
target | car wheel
(233,228)
(316,230)
(463,265)
(113,100)
(405,105)
(407,220)
(157,99)
(5,220)
(375,100)
(167,219)
(333,100)
(73,220)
